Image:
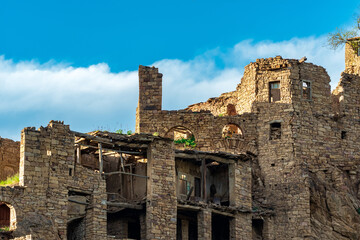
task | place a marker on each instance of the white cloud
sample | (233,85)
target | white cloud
(86,92)
(29,85)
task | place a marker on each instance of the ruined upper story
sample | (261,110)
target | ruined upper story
(275,80)
(291,95)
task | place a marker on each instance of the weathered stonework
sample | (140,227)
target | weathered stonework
(316,146)
(278,158)
(9,158)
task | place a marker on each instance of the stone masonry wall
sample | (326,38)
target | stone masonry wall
(318,140)
(42,204)
(161,206)
(9,158)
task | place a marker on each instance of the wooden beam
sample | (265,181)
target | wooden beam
(124,205)
(78,202)
(126,173)
(203,156)
(112,150)
(101,161)
(223,213)
(91,137)
(188,207)
(78,154)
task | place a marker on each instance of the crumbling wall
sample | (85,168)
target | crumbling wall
(9,158)
(206,128)
(41,201)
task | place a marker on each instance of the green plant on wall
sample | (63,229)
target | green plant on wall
(358,210)
(4,229)
(188,142)
(121,131)
(10,181)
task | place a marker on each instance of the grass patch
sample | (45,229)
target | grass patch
(10,181)
(4,229)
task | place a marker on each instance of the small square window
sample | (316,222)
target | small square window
(274,91)
(306,90)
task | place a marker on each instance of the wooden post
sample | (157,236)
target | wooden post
(203,179)
(101,162)
(131,183)
(78,154)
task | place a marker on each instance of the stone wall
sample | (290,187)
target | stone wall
(9,158)
(161,206)
(41,201)
(318,138)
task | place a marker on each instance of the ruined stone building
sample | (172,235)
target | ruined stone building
(278,158)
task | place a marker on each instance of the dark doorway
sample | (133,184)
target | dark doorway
(124,224)
(187,224)
(4,215)
(76,229)
(220,227)
(257,229)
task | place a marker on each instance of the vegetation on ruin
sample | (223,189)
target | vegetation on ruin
(358,210)
(340,36)
(4,229)
(10,181)
(121,131)
(188,142)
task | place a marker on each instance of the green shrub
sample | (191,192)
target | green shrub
(188,142)
(120,131)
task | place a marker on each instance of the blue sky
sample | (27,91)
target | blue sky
(76,61)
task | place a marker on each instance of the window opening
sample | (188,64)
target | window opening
(182,136)
(184,185)
(231,131)
(306,90)
(274,91)
(343,135)
(197,187)
(275,131)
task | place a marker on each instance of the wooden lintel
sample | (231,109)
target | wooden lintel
(74,189)
(223,213)
(124,205)
(188,207)
(126,173)
(78,202)
(204,156)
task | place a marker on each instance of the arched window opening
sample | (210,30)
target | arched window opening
(232,131)
(7,217)
(182,135)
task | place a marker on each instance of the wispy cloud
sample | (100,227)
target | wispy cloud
(86,97)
